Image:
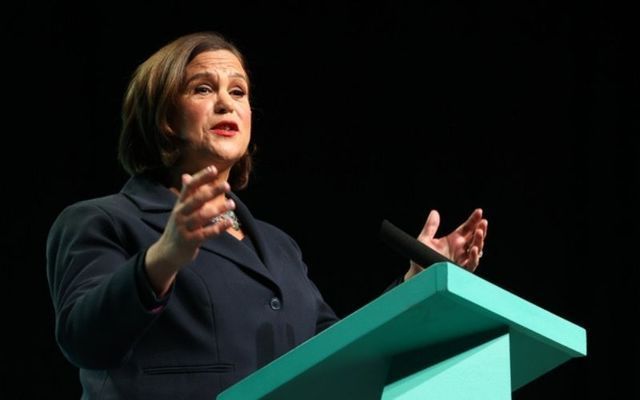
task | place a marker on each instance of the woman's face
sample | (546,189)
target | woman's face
(213,114)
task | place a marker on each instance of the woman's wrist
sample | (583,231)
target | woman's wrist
(414,269)
(160,272)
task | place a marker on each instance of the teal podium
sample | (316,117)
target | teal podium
(445,334)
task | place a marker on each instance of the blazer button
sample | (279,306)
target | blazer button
(275,303)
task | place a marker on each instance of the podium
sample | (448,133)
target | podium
(444,334)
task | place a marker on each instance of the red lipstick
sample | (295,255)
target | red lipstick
(225,128)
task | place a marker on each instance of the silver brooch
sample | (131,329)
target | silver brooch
(231,216)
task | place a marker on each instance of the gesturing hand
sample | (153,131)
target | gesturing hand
(463,246)
(200,199)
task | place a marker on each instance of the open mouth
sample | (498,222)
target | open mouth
(225,129)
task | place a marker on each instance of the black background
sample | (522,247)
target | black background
(362,112)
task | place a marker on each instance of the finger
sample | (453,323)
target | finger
(478,240)
(191,183)
(474,260)
(431,225)
(201,196)
(207,214)
(480,236)
(207,231)
(484,225)
(185,179)
(202,218)
(469,225)
(213,230)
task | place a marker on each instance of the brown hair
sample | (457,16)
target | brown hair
(147,141)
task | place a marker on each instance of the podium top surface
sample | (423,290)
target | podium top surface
(443,307)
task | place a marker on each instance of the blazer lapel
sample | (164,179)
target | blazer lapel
(250,226)
(156,202)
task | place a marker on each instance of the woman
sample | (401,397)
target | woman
(171,288)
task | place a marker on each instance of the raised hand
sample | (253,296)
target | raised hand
(463,246)
(200,199)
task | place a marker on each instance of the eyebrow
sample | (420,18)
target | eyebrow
(211,76)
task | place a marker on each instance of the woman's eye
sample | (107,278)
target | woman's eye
(203,89)
(237,92)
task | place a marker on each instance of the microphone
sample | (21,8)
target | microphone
(409,247)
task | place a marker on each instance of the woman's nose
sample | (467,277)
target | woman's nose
(224,104)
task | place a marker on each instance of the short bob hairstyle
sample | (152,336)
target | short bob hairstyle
(147,141)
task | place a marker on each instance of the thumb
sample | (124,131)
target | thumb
(186,178)
(431,226)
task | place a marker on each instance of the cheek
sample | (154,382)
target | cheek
(245,115)
(188,117)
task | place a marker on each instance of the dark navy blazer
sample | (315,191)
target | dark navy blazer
(230,311)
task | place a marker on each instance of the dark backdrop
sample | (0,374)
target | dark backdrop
(362,111)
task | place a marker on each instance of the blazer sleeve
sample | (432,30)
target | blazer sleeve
(94,287)
(326,316)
